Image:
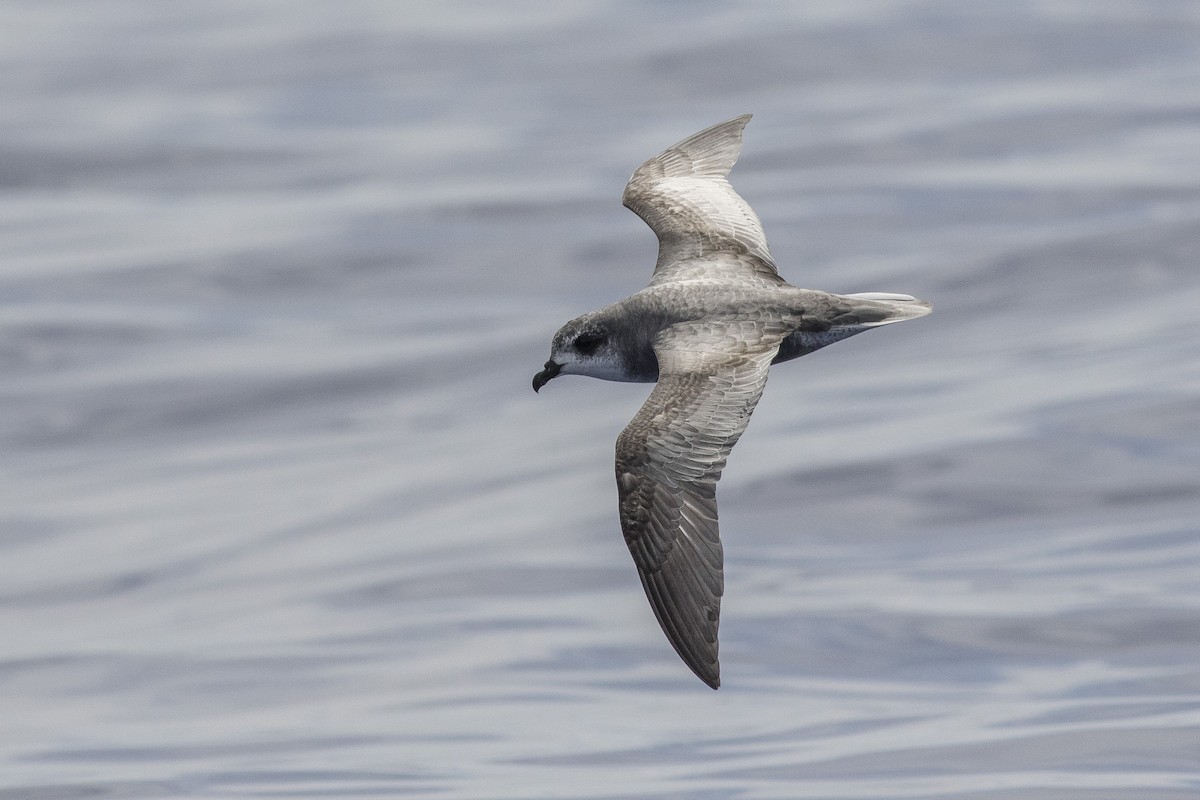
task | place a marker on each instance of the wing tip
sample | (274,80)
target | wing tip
(738,122)
(709,672)
(711,152)
(713,137)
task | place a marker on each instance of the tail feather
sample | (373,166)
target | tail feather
(867,310)
(884,308)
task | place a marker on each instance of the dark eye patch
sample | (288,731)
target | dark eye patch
(587,343)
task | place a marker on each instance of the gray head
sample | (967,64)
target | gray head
(584,346)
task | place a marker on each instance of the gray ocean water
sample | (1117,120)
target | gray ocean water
(280,516)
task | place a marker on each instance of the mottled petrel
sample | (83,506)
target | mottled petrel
(714,318)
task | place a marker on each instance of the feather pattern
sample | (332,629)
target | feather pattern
(685,198)
(669,460)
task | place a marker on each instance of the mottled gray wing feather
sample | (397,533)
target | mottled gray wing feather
(669,459)
(703,226)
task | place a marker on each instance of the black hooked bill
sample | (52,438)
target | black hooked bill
(542,378)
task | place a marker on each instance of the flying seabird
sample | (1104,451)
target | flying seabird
(715,316)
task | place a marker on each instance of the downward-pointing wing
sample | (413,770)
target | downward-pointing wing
(669,459)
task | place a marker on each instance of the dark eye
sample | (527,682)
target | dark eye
(587,343)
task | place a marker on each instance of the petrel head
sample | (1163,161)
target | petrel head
(583,346)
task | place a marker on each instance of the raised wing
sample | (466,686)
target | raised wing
(669,459)
(682,194)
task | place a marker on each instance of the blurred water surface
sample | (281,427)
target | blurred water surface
(281,517)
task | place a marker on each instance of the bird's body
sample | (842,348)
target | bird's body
(715,316)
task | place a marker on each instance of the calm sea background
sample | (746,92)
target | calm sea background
(280,516)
